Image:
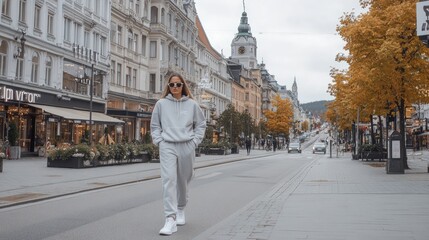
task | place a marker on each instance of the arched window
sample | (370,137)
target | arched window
(154,15)
(163,16)
(48,71)
(34,67)
(3,55)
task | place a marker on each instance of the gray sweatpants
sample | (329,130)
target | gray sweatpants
(177,169)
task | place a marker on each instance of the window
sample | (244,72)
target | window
(77,33)
(48,71)
(134,81)
(103,49)
(50,23)
(34,68)
(5,7)
(86,38)
(113,32)
(138,8)
(96,42)
(128,77)
(130,39)
(37,17)
(19,69)
(119,35)
(143,45)
(67,29)
(3,55)
(152,49)
(135,37)
(22,4)
(97,7)
(152,82)
(154,15)
(118,74)
(112,71)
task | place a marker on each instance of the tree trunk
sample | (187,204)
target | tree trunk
(380,126)
(372,130)
(401,109)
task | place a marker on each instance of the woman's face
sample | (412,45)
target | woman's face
(176,87)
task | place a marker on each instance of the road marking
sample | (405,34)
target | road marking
(210,175)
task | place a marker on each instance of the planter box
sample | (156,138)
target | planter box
(142,158)
(14,152)
(373,155)
(1,164)
(73,162)
(80,162)
(235,150)
(215,151)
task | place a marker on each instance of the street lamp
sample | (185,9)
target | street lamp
(20,50)
(91,93)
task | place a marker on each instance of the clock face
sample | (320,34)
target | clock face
(241,50)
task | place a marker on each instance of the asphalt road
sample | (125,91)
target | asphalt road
(134,211)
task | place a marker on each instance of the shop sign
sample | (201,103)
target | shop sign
(8,94)
(144,115)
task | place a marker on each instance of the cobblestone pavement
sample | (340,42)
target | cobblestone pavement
(337,198)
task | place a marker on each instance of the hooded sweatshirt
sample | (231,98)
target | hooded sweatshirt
(176,120)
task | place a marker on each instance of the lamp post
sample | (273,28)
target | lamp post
(91,93)
(20,50)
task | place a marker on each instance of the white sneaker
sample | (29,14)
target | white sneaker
(180,217)
(169,228)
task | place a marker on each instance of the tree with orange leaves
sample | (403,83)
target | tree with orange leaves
(388,65)
(279,120)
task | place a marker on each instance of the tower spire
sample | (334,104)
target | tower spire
(244,6)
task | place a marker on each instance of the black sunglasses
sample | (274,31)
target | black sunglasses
(175,84)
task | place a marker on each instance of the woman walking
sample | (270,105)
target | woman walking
(177,127)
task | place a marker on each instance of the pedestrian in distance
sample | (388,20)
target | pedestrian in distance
(248,145)
(274,144)
(177,127)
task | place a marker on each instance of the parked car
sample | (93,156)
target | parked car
(294,147)
(319,147)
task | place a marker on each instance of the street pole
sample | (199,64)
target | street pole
(357,132)
(91,86)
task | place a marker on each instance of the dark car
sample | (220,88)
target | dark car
(294,147)
(319,147)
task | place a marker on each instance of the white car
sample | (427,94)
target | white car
(294,147)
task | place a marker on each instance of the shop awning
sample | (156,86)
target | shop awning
(423,134)
(80,115)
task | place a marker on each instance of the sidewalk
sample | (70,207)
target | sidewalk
(337,198)
(29,179)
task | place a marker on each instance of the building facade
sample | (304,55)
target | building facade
(51,53)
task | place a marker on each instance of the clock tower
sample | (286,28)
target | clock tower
(243,46)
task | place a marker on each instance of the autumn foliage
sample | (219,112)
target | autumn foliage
(388,64)
(279,120)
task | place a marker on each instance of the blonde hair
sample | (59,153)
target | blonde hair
(185,88)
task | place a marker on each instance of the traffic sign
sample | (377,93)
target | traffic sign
(422,23)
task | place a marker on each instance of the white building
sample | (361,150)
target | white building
(50,53)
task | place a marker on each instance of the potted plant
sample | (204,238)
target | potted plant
(13,135)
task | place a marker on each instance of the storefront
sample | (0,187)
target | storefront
(46,119)
(136,114)
(136,124)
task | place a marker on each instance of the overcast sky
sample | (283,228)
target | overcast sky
(295,38)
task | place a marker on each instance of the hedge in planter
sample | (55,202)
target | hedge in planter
(80,156)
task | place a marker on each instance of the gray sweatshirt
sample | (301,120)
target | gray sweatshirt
(177,121)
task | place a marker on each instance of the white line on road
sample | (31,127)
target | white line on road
(210,175)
